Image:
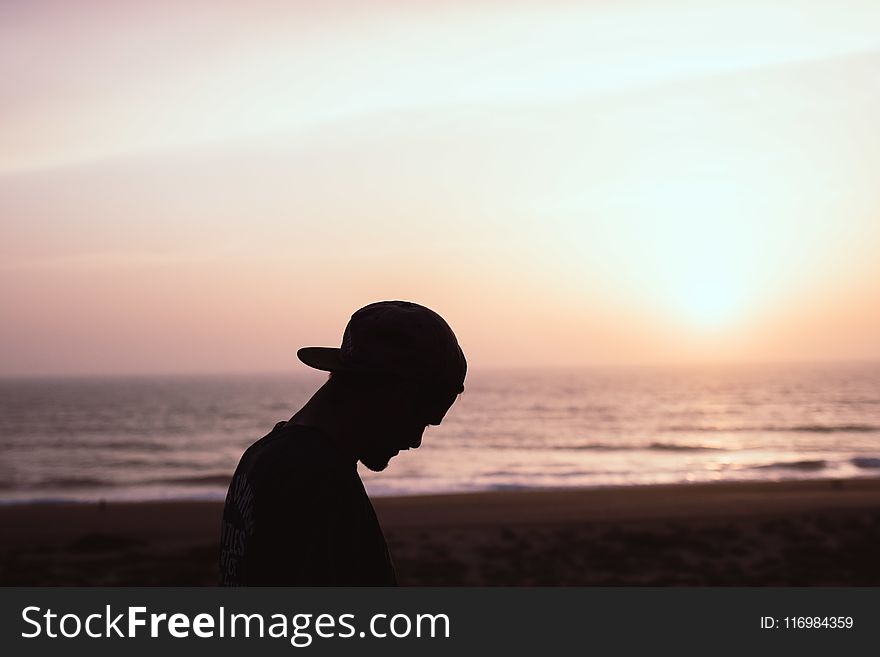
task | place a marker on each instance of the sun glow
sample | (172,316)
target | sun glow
(710,298)
(701,242)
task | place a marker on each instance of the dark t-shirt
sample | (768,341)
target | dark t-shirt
(297,514)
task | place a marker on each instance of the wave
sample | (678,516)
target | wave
(92,482)
(807,466)
(594,447)
(655,446)
(559,474)
(503,487)
(26,442)
(605,447)
(842,428)
(73,482)
(865,462)
(202,480)
(801,428)
(673,447)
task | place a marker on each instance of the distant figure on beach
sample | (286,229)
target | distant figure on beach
(296,513)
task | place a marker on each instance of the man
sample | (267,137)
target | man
(296,512)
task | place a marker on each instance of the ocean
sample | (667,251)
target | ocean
(149,438)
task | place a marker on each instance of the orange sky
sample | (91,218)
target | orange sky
(205,186)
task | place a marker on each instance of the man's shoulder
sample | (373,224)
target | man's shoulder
(294,438)
(295,449)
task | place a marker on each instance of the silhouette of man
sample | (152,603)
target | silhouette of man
(296,513)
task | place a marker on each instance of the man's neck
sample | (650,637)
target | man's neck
(326,412)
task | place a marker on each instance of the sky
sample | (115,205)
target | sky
(197,186)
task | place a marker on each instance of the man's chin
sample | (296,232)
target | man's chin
(375,463)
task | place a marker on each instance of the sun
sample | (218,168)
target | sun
(709,299)
(701,253)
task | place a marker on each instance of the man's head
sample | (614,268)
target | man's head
(399,369)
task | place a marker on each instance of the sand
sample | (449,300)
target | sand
(808,533)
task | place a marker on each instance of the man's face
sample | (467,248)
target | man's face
(401,424)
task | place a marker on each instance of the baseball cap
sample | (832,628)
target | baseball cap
(396,338)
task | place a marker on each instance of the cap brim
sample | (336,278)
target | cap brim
(328,359)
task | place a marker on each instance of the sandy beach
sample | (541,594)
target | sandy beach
(806,533)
